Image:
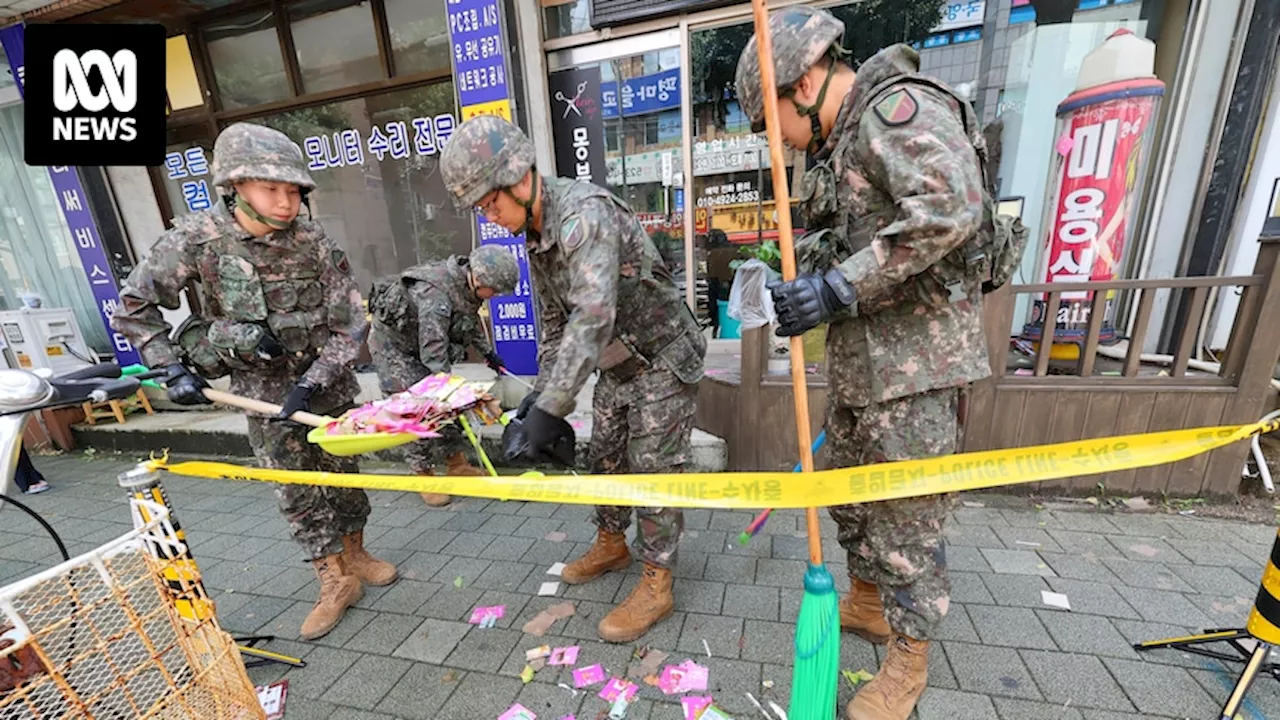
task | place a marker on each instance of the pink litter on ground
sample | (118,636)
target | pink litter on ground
(619,688)
(564,656)
(587,676)
(518,712)
(693,704)
(480,614)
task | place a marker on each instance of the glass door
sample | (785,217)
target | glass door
(616,112)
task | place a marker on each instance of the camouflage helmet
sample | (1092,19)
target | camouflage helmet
(494,267)
(801,35)
(484,154)
(246,151)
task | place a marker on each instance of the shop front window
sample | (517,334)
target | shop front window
(248,66)
(565,17)
(419,35)
(335,42)
(36,250)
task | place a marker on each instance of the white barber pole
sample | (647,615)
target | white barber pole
(1103,130)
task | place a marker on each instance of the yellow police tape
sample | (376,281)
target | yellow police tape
(749,490)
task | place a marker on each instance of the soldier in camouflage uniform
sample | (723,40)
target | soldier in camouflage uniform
(423,321)
(607,302)
(897,192)
(283,318)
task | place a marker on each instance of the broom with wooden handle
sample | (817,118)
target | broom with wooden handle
(817,661)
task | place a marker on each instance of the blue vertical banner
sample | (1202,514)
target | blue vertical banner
(75,208)
(480,77)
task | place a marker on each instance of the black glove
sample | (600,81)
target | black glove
(527,404)
(299,399)
(810,300)
(494,362)
(269,348)
(451,433)
(184,387)
(550,437)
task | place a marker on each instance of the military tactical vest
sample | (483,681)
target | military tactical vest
(253,287)
(393,303)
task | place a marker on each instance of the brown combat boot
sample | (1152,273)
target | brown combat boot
(650,602)
(339,590)
(862,613)
(363,565)
(608,553)
(892,693)
(455,465)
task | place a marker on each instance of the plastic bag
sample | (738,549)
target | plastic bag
(750,301)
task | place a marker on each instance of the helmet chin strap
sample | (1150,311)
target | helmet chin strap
(247,209)
(815,122)
(526,204)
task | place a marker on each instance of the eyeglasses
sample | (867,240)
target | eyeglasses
(486,209)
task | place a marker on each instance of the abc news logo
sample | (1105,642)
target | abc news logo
(95,94)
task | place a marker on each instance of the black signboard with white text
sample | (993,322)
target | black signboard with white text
(577,124)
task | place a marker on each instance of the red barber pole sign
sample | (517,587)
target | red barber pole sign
(1099,155)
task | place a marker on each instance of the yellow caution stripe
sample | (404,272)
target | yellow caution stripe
(1264,618)
(842,486)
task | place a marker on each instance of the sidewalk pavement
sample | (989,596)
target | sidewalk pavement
(407,651)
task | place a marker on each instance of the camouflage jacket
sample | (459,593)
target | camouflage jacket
(432,317)
(907,194)
(605,297)
(296,282)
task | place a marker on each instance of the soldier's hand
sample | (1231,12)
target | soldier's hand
(527,404)
(549,436)
(269,348)
(809,301)
(299,399)
(183,386)
(494,361)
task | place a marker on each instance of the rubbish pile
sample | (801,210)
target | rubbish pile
(423,410)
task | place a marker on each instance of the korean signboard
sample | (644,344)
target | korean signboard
(577,124)
(480,78)
(74,204)
(642,95)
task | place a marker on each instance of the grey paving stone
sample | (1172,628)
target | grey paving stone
(394,538)
(420,692)
(1161,689)
(939,704)
(309,708)
(1151,575)
(545,552)
(1077,680)
(459,567)
(422,566)
(432,540)
(980,536)
(1016,562)
(1020,538)
(1216,580)
(384,633)
(1149,525)
(1088,634)
(1223,611)
(990,670)
(788,547)
(967,587)
(721,633)
(1147,549)
(483,649)
(288,582)
(749,601)
(1086,521)
(480,695)
(698,596)
(1009,627)
(768,642)
(957,626)
(780,573)
(966,559)
(1165,607)
(465,522)
(1093,598)
(725,568)
(507,548)
(432,641)
(325,665)
(405,597)
(978,516)
(502,525)
(1016,590)
(1261,702)
(1139,631)
(729,682)
(367,682)
(602,589)
(690,566)
(505,575)
(550,701)
(1214,553)
(1079,567)
(468,544)
(240,576)
(732,520)
(1031,518)
(254,612)
(1009,709)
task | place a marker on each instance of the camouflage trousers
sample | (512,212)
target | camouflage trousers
(318,516)
(898,544)
(643,426)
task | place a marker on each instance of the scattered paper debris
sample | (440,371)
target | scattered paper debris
(527,674)
(548,588)
(1053,599)
(768,684)
(759,707)
(972,504)
(556,569)
(564,656)
(1027,543)
(618,688)
(571,690)
(856,678)
(538,664)
(688,676)
(782,714)
(588,676)
(1144,550)
(714,713)
(540,624)
(706,647)
(539,652)
(652,660)
(693,704)
(485,617)
(1138,504)
(555,536)
(457,582)
(561,610)
(518,712)
(1064,144)
(272,698)
(619,709)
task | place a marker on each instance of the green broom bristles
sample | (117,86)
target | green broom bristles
(817,667)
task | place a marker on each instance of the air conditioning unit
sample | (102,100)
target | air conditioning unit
(44,338)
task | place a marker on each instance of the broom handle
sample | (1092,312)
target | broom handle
(264,407)
(781,194)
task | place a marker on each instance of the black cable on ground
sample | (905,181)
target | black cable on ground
(47,527)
